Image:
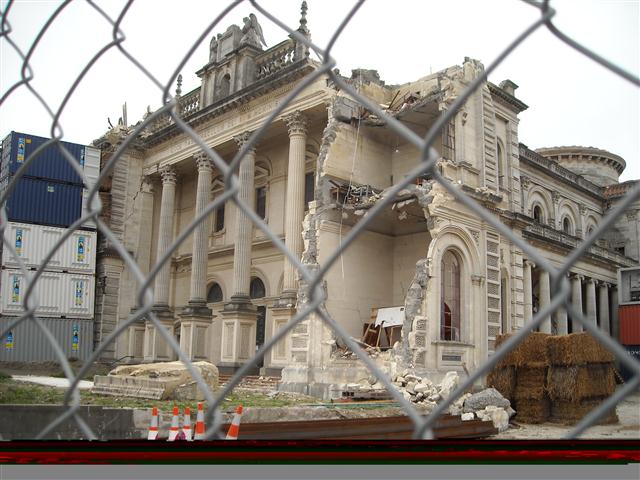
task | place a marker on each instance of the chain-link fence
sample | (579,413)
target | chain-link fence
(560,297)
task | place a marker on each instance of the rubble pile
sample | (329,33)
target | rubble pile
(487,405)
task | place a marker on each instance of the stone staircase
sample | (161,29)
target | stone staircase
(253,383)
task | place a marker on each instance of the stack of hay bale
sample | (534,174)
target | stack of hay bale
(521,378)
(555,378)
(581,376)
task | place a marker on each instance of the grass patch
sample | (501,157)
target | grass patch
(4,376)
(14,392)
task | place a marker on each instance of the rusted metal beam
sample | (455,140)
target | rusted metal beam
(448,426)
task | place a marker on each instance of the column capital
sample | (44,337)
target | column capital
(168,175)
(147,184)
(243,138)
(297,123)
(576,276)
(590,280)
(529,263)
(603,284)
(477,279)
(203,162)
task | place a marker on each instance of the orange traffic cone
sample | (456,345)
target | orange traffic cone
(186,425)
(199,433)
(153,429)
(234,429)
(173,431)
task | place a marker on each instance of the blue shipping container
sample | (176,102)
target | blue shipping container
(43,202)
(50,163)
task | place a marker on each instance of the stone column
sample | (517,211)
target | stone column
(165,233)
(561,322)
(200,255)
(591,312)
(615,321)
(295,197)
(239,314)
(603,291)
(545,300)
(528,294)
(155,348)
(244,226)
(195,318)
(576,300)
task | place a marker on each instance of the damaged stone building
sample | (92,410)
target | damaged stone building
(316,171)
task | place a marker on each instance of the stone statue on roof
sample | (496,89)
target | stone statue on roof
(252,32)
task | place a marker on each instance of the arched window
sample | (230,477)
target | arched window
(215,293)
(450,296)
(538,216)
(224,87)
(256,288)
(566,226)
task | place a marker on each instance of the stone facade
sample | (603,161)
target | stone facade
(322,164)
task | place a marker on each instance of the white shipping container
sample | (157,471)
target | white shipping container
(33,242)
(59,294)
(91,173)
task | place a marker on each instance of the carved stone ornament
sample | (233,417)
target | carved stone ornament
(525,182)
(297,123)
(203,162)
(476,236)
(147,184)
(243,138)
(582,208)
(555,196)
(168,175)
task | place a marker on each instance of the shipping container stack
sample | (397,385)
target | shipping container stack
(629,314)
(47,199)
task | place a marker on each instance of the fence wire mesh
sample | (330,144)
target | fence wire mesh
(542,17)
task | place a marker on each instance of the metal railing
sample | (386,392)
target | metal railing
(313,278)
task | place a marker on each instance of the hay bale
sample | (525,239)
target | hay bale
(577,349)
(576,383)
(533,349)
(503,379)
(570,413)
(530,382)
(533,410)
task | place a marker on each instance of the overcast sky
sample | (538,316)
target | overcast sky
(572,101)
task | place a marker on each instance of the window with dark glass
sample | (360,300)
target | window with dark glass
(450,296)
(537,214)
(219,225)
(309,188)
(500,166)
(448,141)
(215,293)
(256,288)
(261,202)
(566,225)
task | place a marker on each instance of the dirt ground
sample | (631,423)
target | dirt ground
(628,427)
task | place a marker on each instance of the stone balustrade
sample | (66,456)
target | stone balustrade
(275,59)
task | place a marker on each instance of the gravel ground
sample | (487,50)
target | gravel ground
(629,426)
